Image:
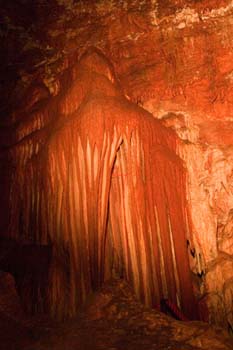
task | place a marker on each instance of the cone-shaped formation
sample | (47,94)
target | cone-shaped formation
(98,177)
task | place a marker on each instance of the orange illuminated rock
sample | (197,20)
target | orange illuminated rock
(107,189)
(174,59)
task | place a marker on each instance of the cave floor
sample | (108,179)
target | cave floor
(112,319)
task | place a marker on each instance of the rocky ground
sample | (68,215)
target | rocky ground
(111,319)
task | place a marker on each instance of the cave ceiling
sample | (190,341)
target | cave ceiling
(168,55)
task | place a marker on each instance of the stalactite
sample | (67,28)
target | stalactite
(107,191)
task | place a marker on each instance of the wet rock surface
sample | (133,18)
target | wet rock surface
(111,319)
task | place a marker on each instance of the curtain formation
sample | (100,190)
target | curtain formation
(98,178)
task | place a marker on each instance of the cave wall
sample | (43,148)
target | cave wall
(173,58)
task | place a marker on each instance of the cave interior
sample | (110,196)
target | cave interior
(116,173)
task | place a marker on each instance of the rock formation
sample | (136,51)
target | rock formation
(111,318)
(174,59)
(97,177)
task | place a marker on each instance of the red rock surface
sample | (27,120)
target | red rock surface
(111,319)
(99,188)
(173,58)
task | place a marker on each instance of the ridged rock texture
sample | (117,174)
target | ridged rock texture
(174,59)
(103,185)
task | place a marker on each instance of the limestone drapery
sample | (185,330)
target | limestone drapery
(103,184)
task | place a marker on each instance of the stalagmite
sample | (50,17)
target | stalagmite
(105,188)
